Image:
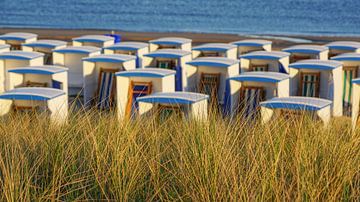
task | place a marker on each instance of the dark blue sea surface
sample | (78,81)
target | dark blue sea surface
(306,17)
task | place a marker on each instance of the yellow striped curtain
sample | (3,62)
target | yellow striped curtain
(348,75)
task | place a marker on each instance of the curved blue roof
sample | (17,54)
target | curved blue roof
(173,98)
(268,77)
(78,49)
(128,46)
(316,64)
(114,58)
(213,62)
(46,43)
(219,47)
(147,72)
(20,55)
(344,45)
(17,36)
(347,57)
(32,93)
(296,103)
(170,41)
(252,42)
(356,81)
(45,69)
(307,49)
(168,53)
(266,55)
(94,38)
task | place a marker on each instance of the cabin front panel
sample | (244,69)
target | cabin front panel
(74,63)
(232,54)
(186,47)
(11,64)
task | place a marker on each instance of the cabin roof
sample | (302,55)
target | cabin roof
(18,36)
(45,69)
(78,49)
(307,49)
(316,64)
(219,47)
(114,58)
(46,43)
(20,55)
(347,57)
(269,77)
(296,103)
(266,55)
(173,98)
(252,42)
(94,38)
(170,41)
(129,46)
(32,93)
(168,53)
(147,72)
(213,62)
(344,45)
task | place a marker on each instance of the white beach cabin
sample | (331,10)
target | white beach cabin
(170,43)
(244,92)
(185,104)
(52,101)
(339,47)
(99,41)
(274,61)
(137,49)
(71,57)
(173,59)
(211,74)
(318,78)
(141,82)
(4,48)
(351,70)
(39,76)
(99,77)
(305,52)
(215,50)
(13,59)
(251,45)
(355,103)
(46,47)
(316,107)
(15,39)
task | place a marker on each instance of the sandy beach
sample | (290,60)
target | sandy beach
(279,41)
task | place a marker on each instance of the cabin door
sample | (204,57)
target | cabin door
(136,89)
(309,84)
(349,73)
(259,68)
(209,84)
(106,88)
(250,98)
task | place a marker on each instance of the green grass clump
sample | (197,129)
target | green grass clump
(95,157)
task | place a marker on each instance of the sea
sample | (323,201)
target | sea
(243,17)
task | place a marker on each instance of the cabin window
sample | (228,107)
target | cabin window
(259,68)
(296,58)
(309,84)
(165,112)
(136,89)
(166,64)
(15,47)
(106,88)
(250,98)
(349,73)
(212,54)
(167,47)
(34,84)
(209,84)
(48,60)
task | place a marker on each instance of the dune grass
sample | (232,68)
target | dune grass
(97,157)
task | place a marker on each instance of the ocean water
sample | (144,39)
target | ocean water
(291,17)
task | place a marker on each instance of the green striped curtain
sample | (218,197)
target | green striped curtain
(349,75)
(309,85)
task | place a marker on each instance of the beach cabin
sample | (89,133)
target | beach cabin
(305,52)
(351,67)
(47,101)
(355,103)
(211,74)
(244,92)
(46,47)
(339,47)
(71,57)
(15,39)
(215,50)
(251,45)
(140,82)
(39,76)
(13,59)
(318,78)
(99,41)
(4,48)
(274,61)
(291,106)
(99,77)
(184,104)
(173,59)
(137,49)
(170,43)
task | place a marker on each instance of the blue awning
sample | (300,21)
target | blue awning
(46,43)
(32,93)
(252,42)
(170,41)
(268,77)
(344,45)
(173,98)
(213,62)
(45,69)
(218,47)
(94,38)
(20,55)
(306,49)
(146,72)
(127,46)
(78,49)
(296,103)
(316,64)
(168,53)
(347,57)
(113,58)
(17,36)
(266,55)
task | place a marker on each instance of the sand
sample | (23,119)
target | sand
(279,41)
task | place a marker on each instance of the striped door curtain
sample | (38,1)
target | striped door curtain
(250,98)
(48,59)
(209,84)
(309,84)
(349,73)
(106,88)
(136,89)
(259,68)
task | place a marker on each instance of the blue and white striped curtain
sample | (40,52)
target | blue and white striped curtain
(282,68)
(106,87)
(178,77)
(251,100)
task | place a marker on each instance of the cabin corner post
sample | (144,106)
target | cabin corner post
(5,106)
(59,110)
(266,114)
(199,111)
(324,115)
